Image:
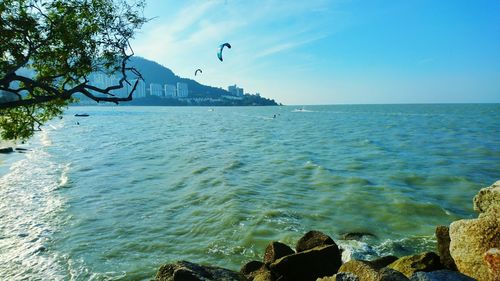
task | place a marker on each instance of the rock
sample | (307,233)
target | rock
(187,271)
(440,275)
(250,269)
(342,276)
(492,259)
(276,250)
(313,239)
(443,247)
(488,197)
(383,261)
(365,271)
(264,275)
(389,274)
(6,150)
(470,239)
(308,265)
(428,261)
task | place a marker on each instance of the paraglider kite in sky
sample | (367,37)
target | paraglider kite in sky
(197,70)
(221,47)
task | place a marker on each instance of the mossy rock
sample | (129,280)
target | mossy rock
(428,261)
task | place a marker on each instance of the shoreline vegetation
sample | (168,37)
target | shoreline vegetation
(468,249)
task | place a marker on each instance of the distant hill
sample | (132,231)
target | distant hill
(153,72)
(198,94)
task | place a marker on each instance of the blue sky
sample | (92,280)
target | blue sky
(333,52)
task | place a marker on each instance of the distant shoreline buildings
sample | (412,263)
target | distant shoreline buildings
(179,91)
(235,90)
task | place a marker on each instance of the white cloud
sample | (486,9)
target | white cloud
(287,45)
(187,38)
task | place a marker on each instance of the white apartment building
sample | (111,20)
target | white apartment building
(232,89)
(235,90)
(140,90)
(155,90)
(170,91)
(182,90)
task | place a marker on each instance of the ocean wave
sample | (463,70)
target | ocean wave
(29,208)
(370,250)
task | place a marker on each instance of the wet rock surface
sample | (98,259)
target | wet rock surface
(313,239)
(308,265)
(408,265)
(187,271)
(276,250)
(440,275)
(443,247)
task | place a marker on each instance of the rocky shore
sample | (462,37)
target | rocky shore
(468,249)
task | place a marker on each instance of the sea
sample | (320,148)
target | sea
(115,195)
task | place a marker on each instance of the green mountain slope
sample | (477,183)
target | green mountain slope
(153,72)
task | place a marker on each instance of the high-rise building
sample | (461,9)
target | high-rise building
(235,90)
(232,89)
(101,80)
(182,90)
(104,81)
(170,91)
(155,90)
(140,90)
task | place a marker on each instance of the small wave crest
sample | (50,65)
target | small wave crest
(64,178)
(361,250)
(45,139)
(302,110)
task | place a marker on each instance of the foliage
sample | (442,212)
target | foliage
(61,42)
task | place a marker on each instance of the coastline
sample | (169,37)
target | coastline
(467,250)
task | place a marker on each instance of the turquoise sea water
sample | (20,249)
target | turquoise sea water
(131,188)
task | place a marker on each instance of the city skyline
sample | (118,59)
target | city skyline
(143,89)
(331,52)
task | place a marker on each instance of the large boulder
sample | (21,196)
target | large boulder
(366,271)
(383,261)
(428,261)
(389,274)
(313,239)
(276,250)
(187,271)
(264,275)
(308,265)
(363,269)
(492,259)
(440,275)
(443,247)
(488,198)
(342,276)
(250,269)
(470,239)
